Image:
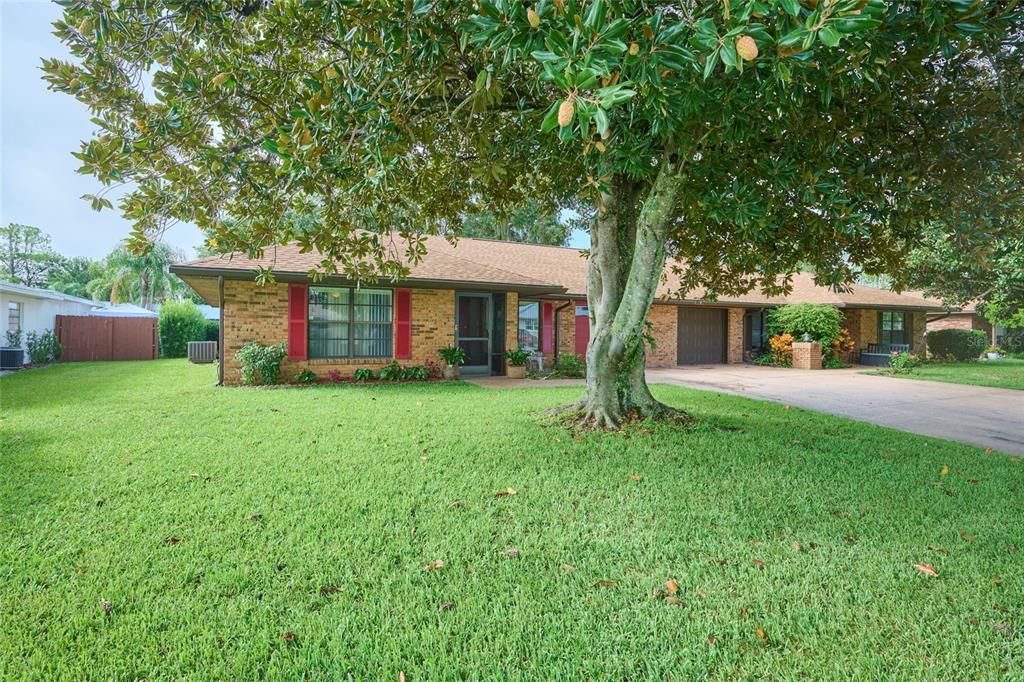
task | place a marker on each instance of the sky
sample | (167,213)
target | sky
(40,129)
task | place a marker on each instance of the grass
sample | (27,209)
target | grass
(1005,373)
(283,533)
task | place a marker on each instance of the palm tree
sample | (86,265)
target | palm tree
(144,279)
(72,276)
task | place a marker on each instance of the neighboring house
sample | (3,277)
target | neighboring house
(36,310)
(122,310)
(488,296)
(966,318)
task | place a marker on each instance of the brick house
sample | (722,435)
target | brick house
(966,318)
(488,296)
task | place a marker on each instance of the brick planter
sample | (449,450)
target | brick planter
(806,355)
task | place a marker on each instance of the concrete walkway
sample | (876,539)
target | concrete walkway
(986,417)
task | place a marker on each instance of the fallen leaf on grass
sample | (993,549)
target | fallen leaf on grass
(512,552)
(762,636)
(743,613)
(1004,628)
(944,470)
(433,565)
(675,601)
(672,586)
(254,517)
(106,606)
(172,540)
(759,563)
(797,547)
(712,639)
(605,583)
(634,477)
(568,567)
(446,606)
(328,590)
(997,581)
(927,569)
(288,636)
(988,451)
(967,537)
(455,505)
(401,676)
(939,550)
(850,539)
(506,491)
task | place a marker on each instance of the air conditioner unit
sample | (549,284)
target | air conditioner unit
(201,352)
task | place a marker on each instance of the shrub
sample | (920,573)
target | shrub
(903,363)
(213,330)
(453,356)
(433,369)
(362,374)
(14,338)
(306,376)
(261,364)
(1013,341)
(570,365)
(518,357)
(781,350)
(822,322)
(956,344)
(417,373)
(180,322)
(832,363)
(334,376)
(43,348)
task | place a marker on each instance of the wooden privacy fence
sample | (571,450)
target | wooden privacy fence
(107,338)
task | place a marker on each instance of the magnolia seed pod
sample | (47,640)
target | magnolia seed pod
(746,48)
(565,113)
(533,18)
(634,49)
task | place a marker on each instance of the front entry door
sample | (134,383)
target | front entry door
(472,331)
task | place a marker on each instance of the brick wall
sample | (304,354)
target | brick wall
(962,321)
(260,313)
(806,355)
(664,321)
(734,335)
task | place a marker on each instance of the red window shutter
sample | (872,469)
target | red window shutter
(547,328)
(403,324)
(298,316)
(582,331)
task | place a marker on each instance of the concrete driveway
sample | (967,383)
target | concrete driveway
(986,417)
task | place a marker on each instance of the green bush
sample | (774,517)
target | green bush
(822,322)
(180,323)
(903,363)
(961,345)
(213,330)
(364,374)
(306,376)
(570,365)
(518,357)
(261,364)
(43,348)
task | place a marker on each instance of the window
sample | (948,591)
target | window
(529,325)
(349,323)
(892,327)
(13,315)
(754,330)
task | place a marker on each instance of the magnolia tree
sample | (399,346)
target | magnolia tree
(735,138)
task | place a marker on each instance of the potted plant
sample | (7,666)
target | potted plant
(993,352)
(516,361)
(453,356)
(11,355)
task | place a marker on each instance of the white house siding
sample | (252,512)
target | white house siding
(39,311)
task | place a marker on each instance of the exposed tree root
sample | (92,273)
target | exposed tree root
(581,417)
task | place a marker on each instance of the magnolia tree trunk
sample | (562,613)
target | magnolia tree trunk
(627,256)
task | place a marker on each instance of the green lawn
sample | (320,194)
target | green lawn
(1005,373)
(283,533)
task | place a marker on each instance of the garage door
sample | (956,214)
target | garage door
(701,336)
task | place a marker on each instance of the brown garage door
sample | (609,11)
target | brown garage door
(701,336)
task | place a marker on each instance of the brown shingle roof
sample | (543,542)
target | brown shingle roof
(553,270)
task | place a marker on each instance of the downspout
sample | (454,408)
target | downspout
(558,326)
(220,333)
